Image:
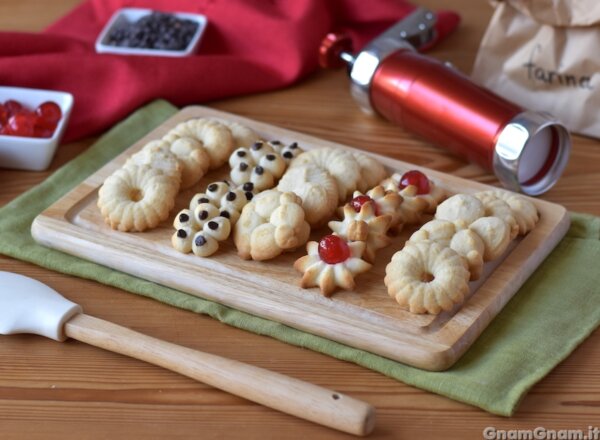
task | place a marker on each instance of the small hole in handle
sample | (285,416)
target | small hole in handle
(335,396)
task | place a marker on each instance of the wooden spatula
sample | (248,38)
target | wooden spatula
(28,306)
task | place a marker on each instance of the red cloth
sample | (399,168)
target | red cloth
(249,46)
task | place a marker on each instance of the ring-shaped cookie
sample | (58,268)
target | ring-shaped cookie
(136,198)
(426,277)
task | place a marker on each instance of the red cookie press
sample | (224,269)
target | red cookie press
(526,150)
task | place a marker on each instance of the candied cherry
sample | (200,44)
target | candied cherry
(13,107)
(48,114)
(417,179)
(358,201)
(3,115)
(22,124)
(41,132)
(333,249)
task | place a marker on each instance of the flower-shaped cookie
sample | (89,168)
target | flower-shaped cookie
(269,225)
(387,203)
(331,263)
(420,194)
(364,225)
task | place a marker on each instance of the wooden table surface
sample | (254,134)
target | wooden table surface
(55,391)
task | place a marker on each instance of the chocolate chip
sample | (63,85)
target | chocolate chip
(203,200)
(183,218)
(249,195)
(259,170)
(200,240)
(241,153)
(231,196)
(226,182)
(243,166)
(288,155)
(203,215)
(225,214)
(181,233)
(213,225)
(270,157)
(248,186)
(294,145)
(154,31)
(275,142)
(213,187)
(257,146)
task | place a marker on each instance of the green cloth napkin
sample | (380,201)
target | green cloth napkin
(556,309)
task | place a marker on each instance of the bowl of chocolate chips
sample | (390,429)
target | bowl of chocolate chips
(139,31)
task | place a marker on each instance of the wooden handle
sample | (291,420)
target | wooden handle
(286,394)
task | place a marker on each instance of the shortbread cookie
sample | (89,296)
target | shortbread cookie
(260,164)
(241,172)
(417,199)
(193,158)
(426,277)
(287,152)
(387,202)
(274,164)
(215,138)
(364,226)
(203,213)
(273,222)
(204,245)
(317,189)
(524,211)
(232,203)
(182,239)
(465,242)
(461,208)
(340,164)
(216,190)
(136,198)
(331,263)
(259,149)
(496,207)
(185,219)
(218,228)
(371,171)
(495,234)
(155,155)
(242,136)
(467,211)
(261,179)
(240,155)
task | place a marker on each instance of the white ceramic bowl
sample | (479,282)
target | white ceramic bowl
(28,153)
(133,14)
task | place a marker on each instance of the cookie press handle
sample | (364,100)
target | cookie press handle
(283,393)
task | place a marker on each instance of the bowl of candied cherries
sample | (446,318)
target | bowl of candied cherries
(32,123)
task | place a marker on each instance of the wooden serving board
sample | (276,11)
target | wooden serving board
(367,318)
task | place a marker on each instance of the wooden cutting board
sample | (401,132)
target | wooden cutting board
(366,318)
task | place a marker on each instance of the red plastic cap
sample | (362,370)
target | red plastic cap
(331,47)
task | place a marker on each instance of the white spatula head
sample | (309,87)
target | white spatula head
(28,306)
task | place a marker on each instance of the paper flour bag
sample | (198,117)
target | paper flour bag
(545,55)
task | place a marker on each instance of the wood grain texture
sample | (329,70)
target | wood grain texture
(366,318)
(283,393)
(72,391)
